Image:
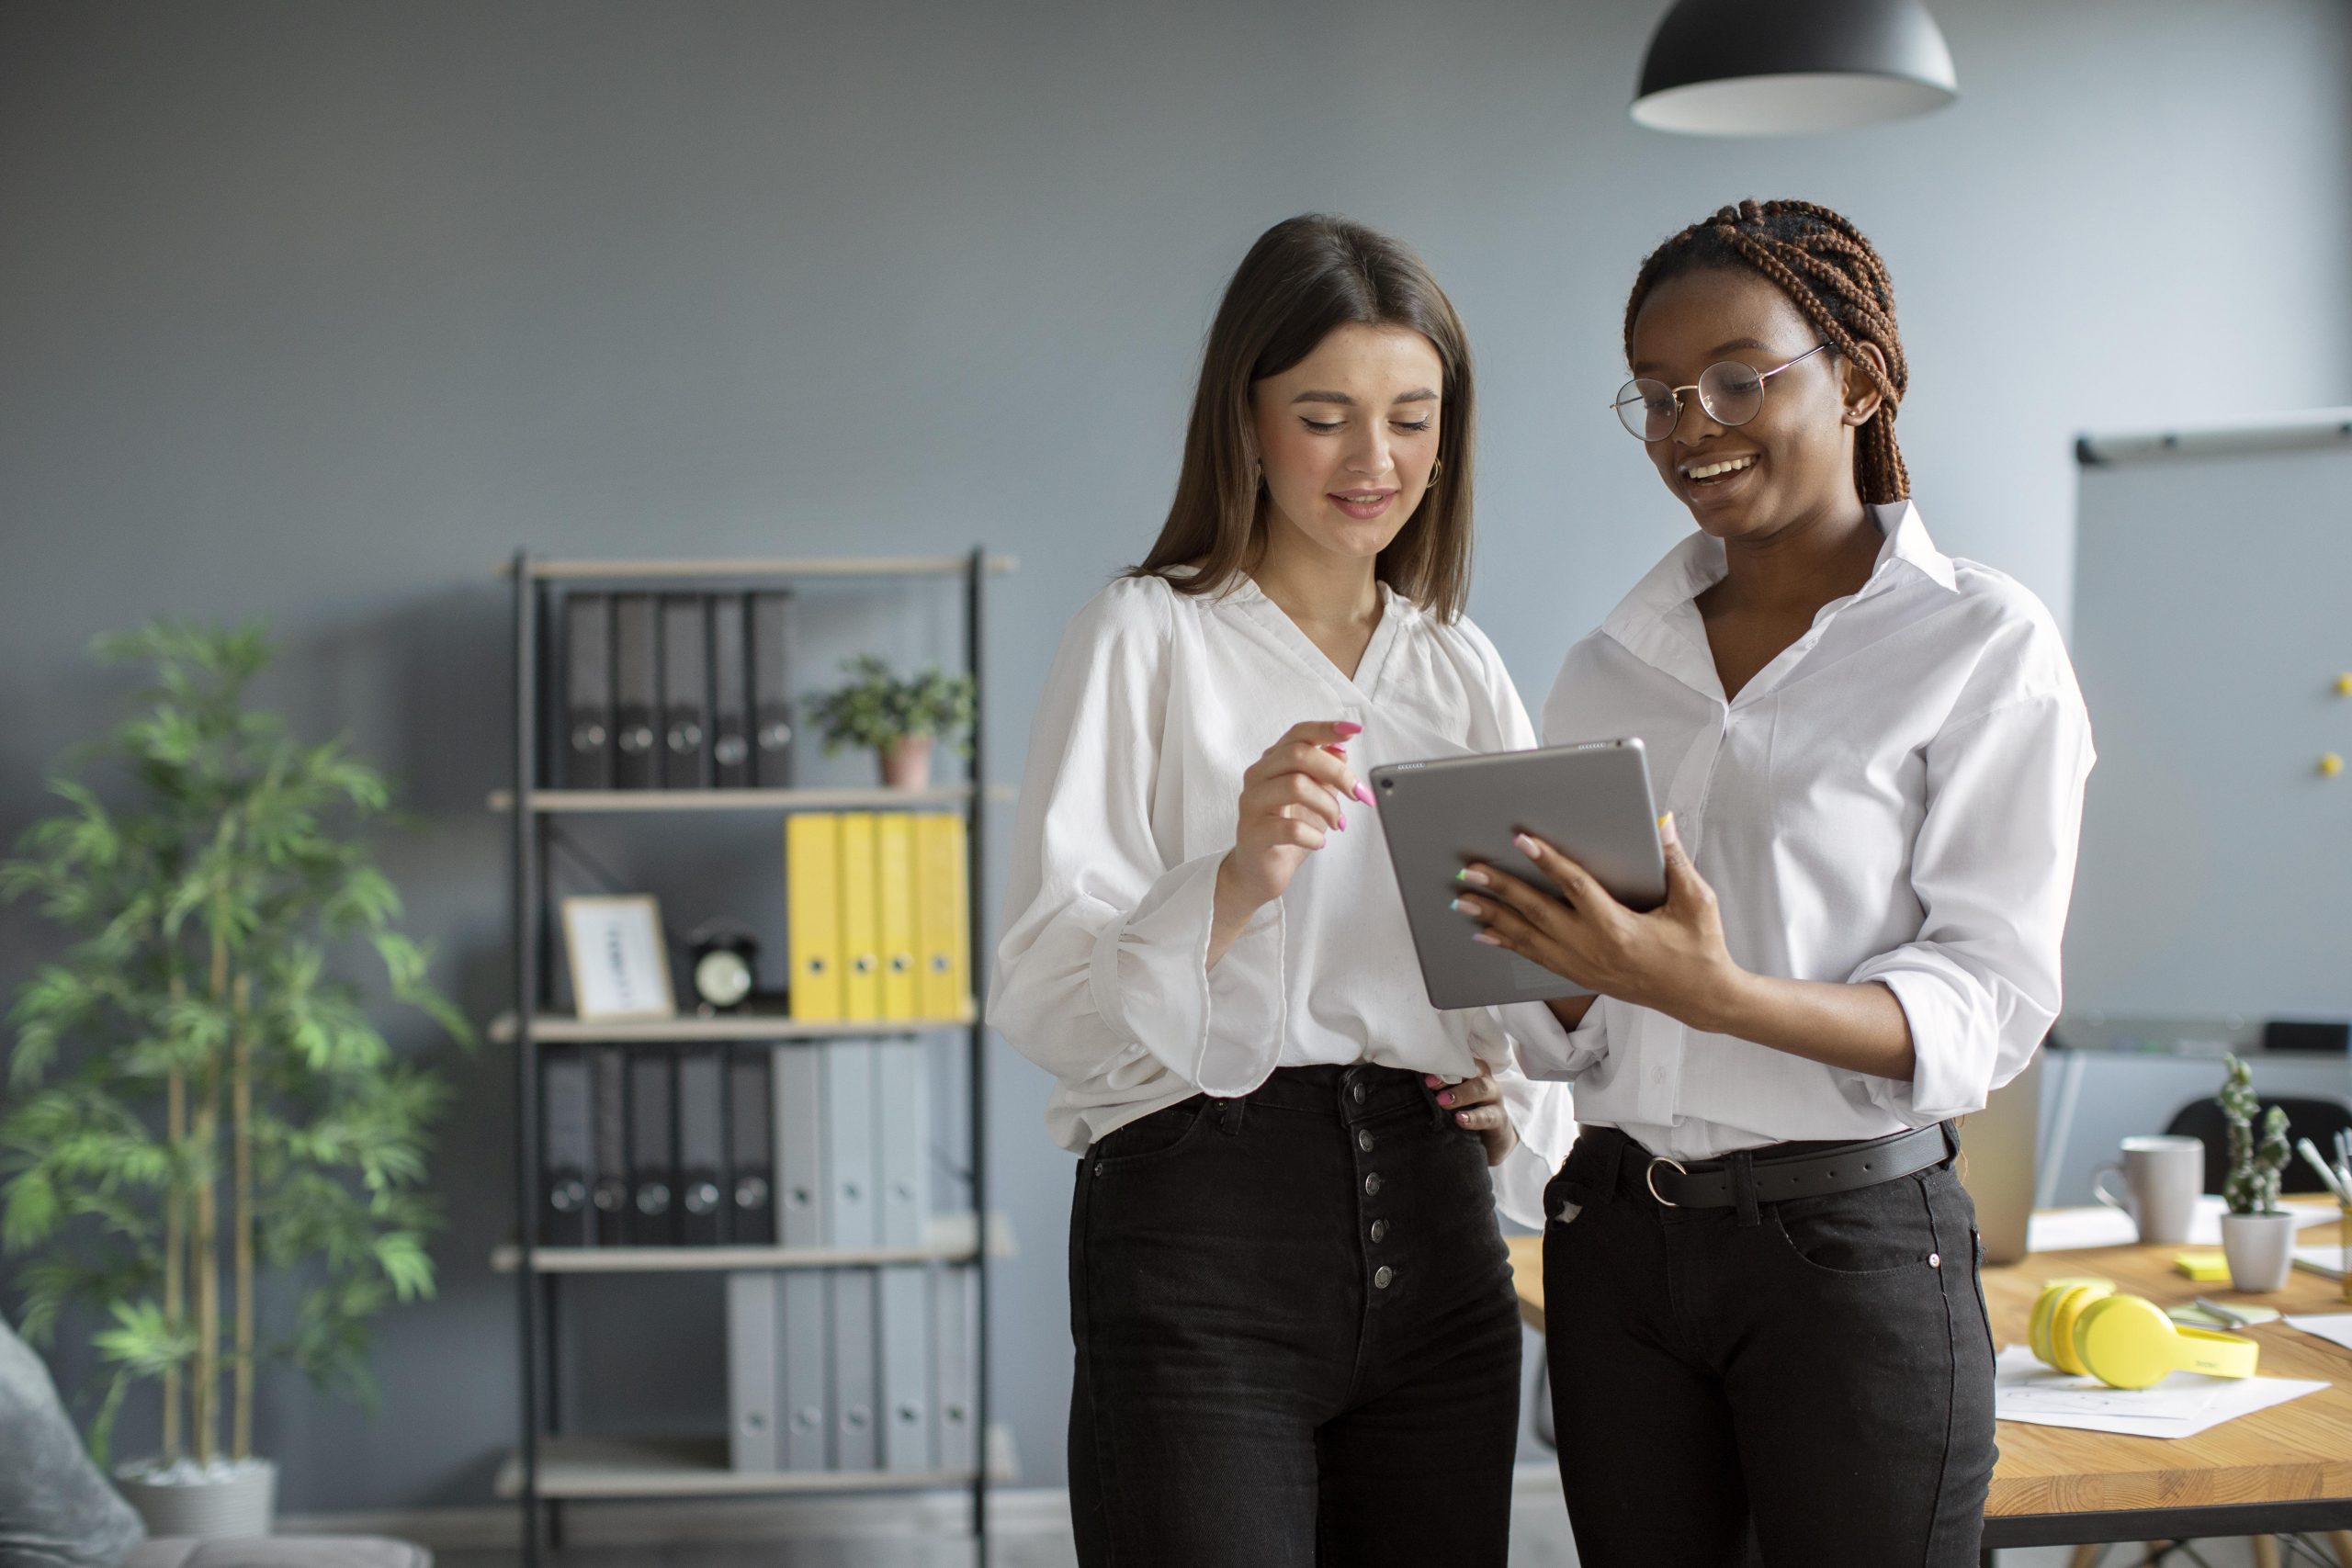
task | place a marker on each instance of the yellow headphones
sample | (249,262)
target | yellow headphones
(2083,1327)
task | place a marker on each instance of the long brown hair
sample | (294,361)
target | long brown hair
(1304,276)
(1834,275)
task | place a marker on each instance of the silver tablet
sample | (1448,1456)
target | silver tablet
(1592,801)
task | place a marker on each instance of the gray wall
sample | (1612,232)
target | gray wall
(313,312)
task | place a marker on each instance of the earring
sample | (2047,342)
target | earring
(1437,469)
(1256,476)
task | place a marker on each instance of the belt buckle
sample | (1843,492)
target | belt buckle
(1649,1178)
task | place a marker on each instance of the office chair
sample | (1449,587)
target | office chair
(2318,1119)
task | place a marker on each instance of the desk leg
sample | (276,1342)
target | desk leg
(2342,1541)
(2086,1556)
(2265,1551)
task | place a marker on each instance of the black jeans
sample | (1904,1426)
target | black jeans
(1819,1369)
(1297,1342)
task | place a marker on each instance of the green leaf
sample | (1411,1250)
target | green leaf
(401,1256)
(32,1212)
(143,1340)
(102,1424)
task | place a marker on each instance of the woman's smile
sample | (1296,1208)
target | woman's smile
(1364,506)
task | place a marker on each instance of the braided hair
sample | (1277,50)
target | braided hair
(1835,277)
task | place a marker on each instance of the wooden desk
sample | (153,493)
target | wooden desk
(2281,1470)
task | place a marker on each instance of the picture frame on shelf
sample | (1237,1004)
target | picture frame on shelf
(620,962)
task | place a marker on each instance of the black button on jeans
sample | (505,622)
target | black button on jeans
(1250,1380)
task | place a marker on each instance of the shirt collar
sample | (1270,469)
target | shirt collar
(1697,564)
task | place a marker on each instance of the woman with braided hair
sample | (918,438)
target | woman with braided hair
(1760,1269)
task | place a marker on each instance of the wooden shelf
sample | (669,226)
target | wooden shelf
(950,1241)
(614,1467)
(755,566)
(552,1029)
(854,798)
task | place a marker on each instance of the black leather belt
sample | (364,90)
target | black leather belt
(1708,1184)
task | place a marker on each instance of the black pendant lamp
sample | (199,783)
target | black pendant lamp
(1779,67)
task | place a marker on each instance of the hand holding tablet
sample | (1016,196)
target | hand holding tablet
(1590,803)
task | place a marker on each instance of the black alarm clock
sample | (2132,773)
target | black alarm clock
(721,959)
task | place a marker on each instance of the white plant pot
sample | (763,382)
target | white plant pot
(225,1499)
(2261,1250)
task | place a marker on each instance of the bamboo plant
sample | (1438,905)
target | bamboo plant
(196,1091)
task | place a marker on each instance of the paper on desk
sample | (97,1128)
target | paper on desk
(2181,1406)
(2072,1230)
(2335,1325)
(2326,1261)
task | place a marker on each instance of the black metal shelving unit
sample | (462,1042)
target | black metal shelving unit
(540,1475)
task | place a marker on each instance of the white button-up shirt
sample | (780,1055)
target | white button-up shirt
(1156,703)
(1894,798)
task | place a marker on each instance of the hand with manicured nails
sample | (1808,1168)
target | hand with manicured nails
(1477,1103)
(1672,959)
(1291,799)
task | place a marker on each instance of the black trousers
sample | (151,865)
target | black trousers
(1818,1371)
(1297,1342)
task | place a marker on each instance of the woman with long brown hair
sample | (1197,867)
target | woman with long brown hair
(1296,1335)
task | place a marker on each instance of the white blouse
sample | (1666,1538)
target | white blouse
(1156,703)
(1896,797)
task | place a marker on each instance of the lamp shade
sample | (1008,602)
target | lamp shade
(1779,67)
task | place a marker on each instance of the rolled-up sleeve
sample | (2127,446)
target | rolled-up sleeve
(1992,866)
(1103,974)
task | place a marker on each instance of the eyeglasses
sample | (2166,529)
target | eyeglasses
(1730,392)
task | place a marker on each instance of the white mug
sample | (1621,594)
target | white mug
(2162,1177)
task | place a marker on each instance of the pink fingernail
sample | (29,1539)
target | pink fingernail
(1431,1079)
(1526,845)
(1489,938)
(1361,793)
(1463,1116)
(1343,821)
(1349,726)
(1446,1099)
(1475,878)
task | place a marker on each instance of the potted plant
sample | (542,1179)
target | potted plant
(897,719)
(198,1091)
(2257,1235)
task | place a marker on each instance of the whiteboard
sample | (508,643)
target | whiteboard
(2212,617)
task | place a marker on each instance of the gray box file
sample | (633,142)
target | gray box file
(851,1157)
(805,1369)
(637,692)
(856,1437)
(731,700)
(585,755)
(904,1409)
(796,1078)
(702,1148)
(753,1419)
(771,686)
(851,1161)
(955,1302)
(903,1132)
(609,1188)
(685,692)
